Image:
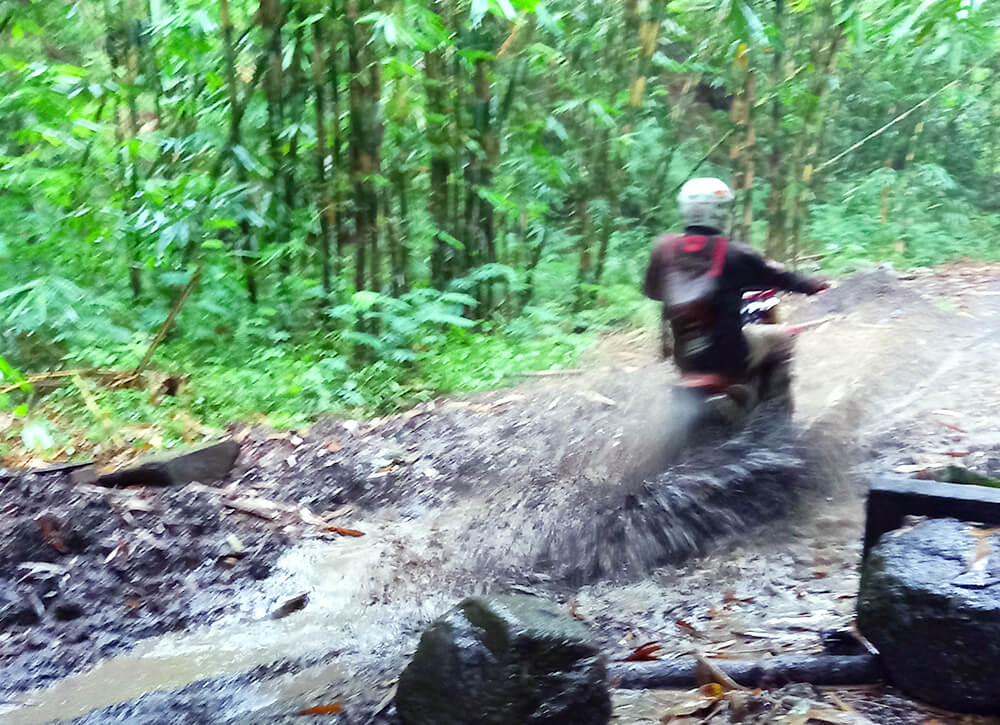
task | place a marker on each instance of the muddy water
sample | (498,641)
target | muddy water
(369,597)
(337,576)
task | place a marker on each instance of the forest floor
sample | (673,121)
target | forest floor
(186,605)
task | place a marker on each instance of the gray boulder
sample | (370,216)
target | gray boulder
(930,602)
(509,660)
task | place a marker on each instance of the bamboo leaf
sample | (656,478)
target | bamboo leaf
(753,23)
(507,9)
(477,11)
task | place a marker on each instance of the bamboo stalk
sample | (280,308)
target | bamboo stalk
(323,201)
(247,241)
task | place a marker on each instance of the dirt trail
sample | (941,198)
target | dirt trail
(544,488)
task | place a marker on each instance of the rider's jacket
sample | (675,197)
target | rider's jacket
(700,278)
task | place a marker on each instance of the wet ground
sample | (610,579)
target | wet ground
(749,548)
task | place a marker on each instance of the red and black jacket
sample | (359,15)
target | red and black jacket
(736,268)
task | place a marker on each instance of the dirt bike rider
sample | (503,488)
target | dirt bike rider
(700,277)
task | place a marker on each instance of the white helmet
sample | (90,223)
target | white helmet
(706,202)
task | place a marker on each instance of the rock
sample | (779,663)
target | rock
(930,603)
(510,660)
(15,609)
(204,464)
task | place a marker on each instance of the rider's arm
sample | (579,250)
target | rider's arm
(757,273)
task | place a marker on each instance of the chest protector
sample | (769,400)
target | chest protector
(691,283)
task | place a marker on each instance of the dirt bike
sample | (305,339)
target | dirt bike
(703,404)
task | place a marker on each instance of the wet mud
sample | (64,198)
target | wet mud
(747,548)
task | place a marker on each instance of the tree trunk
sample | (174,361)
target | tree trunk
(747,158)
(812,121)
(535,258)
(776,218)
(586,245)
(295,103)
(404,225)
(271,16)
(396,274)
(125,68)
(437,91)
(365,143)
(479,241)
(324,204)
(338,161)
(247,242)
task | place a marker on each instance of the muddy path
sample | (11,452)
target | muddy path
(748,548)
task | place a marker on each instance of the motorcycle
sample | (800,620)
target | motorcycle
(709,403)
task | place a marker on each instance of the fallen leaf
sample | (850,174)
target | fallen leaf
(342,531)
(697,703)
(259,507)
(120,549)
(235,545)
(644,653)
(308,517)
(684,626)
(595,397)
(331,709)
(48,527)
(334,446)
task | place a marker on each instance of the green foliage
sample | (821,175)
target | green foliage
(432,196)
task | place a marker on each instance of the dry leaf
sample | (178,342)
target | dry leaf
(697,703)
(707,672)
(342,531)
(262,508)
(596,397)
(120,549)
(48,527)
(331,709)
(684,626)
(644,653)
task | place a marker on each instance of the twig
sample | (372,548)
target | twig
(35,378)
(510,40)
(545,373)
(168,323)
(891,123)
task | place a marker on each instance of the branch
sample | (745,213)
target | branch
(891,123)
(49,377)
(706,157)
(168,323)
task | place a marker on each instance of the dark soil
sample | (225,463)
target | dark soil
(86,572)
